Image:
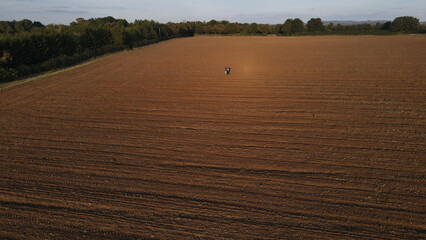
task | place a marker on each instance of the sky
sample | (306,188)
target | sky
(260,11)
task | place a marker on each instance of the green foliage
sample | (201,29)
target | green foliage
(405,24)
(186,28)
(286,27)
(387,26)
(227,28)
(315,25)
(329,28)
(265,29)
(212,22)
(7,74)
(254,28)
(297,27)
(95,38)
(12,27)
(231,28)
(422,28)
(23,26)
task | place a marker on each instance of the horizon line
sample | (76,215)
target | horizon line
(219,20)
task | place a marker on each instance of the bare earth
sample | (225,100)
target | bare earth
(309,137)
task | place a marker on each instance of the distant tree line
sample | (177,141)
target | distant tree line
(28,47)
(315,26)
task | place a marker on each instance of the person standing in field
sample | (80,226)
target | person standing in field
(227,70)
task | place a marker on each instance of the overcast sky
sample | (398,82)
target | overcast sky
(260,11)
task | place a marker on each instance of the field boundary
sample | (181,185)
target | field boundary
(35,77)
(42,75)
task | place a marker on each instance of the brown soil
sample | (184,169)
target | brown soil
(308,137)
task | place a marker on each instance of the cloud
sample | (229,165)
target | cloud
(28,11)
(62,11)
(108,8)
(268,18)
(61,7)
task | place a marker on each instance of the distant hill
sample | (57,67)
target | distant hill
(344,23)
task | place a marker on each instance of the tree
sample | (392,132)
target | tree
(254,28)
(387,26)
(231,28)
(80,20)
(286,27)
(405,24)
(219,28)
(276,29)
(265,29)
(212,22)
(297,26)
(117,36)
(366,27)
(224,22)
(330,27)
(187,28)
(52,28)
(315,25)
(340,27)
(199,27)
(23,25)
(37,24)
(5,58)
(7,74)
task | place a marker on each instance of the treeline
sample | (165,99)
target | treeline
(28,47)
(315,26)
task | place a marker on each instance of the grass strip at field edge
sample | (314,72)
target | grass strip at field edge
(35,77)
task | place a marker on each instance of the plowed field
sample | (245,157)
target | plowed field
(308,137)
